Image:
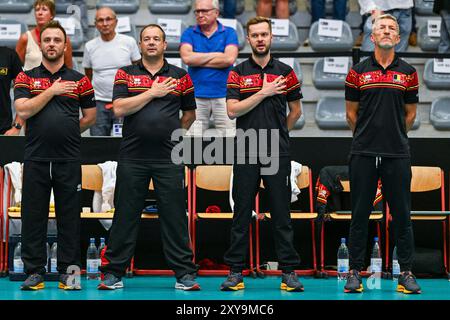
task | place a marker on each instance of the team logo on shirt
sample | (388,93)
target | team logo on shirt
(137,81)
(3,71)
(248,82)
(37,84)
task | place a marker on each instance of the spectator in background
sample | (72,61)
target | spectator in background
(103,56)
(210,50)
(442,7)
(229,9)
(400,9)
(28,46)
(10,67)
(318,9)
(264,9)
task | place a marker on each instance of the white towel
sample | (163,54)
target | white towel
(296,169)
(104,200)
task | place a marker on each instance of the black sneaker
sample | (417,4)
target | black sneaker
(187,283)
(110,282)
(34,282)
(66,282)
(354,283)
(234,282)
(407,283)
(290,282)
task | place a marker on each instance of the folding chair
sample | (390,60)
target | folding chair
(426,179)
(376,216)
(214,178)
(304,181)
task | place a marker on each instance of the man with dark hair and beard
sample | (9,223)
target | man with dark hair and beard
(258,91)
(150,96)
(49,97)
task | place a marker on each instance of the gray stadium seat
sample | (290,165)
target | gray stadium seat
(424,7)
(240,6)
(177,62)
(435,81)
(325,80)
(16,6)
(5,38)
(62,6)
(440,113)
(330,113)
(169,6)
(173,42)
(120,6)
(240,34)
(288,43)
(416,123)
(321,43)
(427,43)
(77,39)
(300,122)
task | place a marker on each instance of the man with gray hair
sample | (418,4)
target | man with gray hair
(210,50)
(400,9)
(381,96)
(103,56)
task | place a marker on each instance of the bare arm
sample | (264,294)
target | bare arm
(352,113)
(236,108)
(187,119)
(21,47)
(14,131)
(410,115)
(295,111)
(88,73)
(195,59)
(26,107)
(126,106)
(225,59)
(88,118)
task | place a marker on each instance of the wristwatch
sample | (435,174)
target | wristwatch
(17,126)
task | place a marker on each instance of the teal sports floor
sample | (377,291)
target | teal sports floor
(162,288)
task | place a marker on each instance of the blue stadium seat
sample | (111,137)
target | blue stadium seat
(435,81)
(440,113)
(330,113)
(325,80)
(16,6)
(289,43)
(424,7)
(6,36)
(321,43)
(427,43)
(120,6)
(169,6)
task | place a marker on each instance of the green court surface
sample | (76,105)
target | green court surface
(162,288)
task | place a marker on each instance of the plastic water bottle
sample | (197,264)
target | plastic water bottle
(376,262)
(53,258)
(395,265)
(343,261)
(48,256)
(92,261)
(18,263)
(100,248)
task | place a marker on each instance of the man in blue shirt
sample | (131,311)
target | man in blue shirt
(210,50)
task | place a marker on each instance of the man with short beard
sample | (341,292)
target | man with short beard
(381,96)
(49,98)
(258,91)
(150,96)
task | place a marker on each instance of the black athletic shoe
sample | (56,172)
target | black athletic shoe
(234,282)
(354,283)
(110,282)
(68,283)
(34,282)
(407,283)
(290,282)
(187,283)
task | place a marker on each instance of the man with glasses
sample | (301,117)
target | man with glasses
(103,56)
(210,50)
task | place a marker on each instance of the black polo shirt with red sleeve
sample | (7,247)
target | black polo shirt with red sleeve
(245,80)
(53,134)
(10,67)
(382,95)
(147,133)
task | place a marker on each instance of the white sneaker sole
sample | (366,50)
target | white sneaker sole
(181,286)
(117,285)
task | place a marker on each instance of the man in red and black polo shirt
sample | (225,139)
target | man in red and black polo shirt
(258,91)
(150,96)
(49,98)
(381,96)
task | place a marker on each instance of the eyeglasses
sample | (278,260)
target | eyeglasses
(107,20)
(203,11)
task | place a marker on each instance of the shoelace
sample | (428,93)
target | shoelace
(409,277)
(233,277)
